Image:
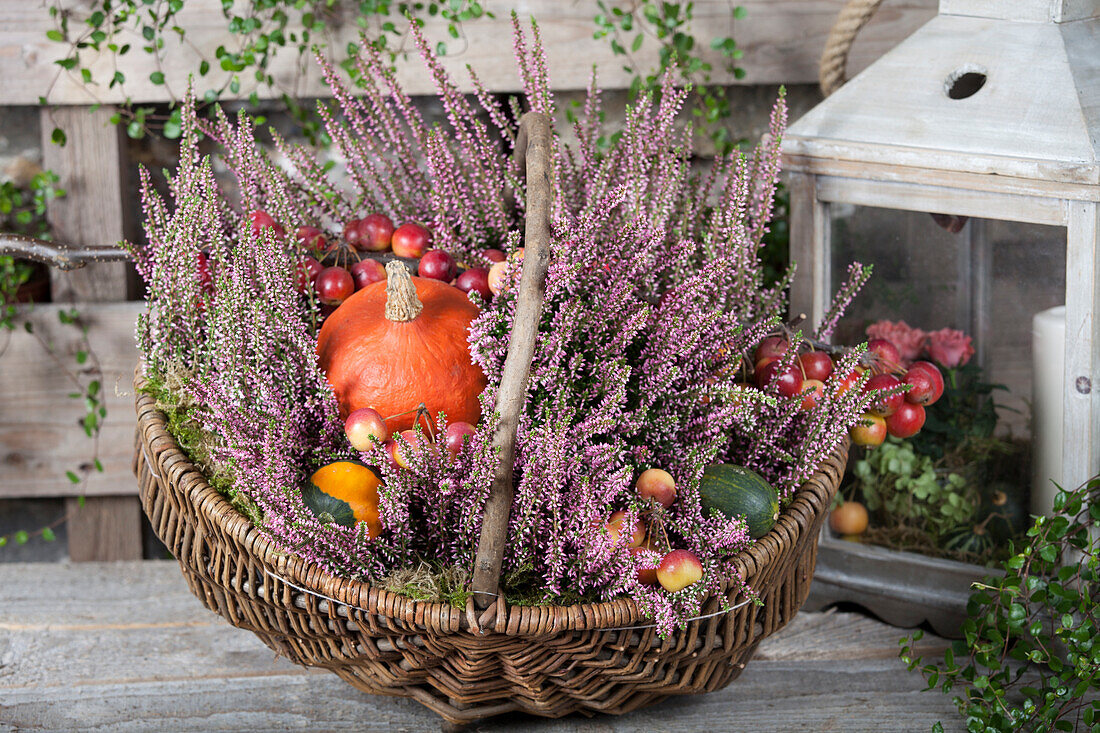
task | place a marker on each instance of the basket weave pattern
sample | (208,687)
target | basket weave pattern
(548,660)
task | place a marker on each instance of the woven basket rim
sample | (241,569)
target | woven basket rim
(162,451)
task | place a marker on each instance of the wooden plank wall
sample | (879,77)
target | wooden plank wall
(93,167)
(39,435)
(39,440)
(782,41)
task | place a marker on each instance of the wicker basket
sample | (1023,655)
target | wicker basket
(548,660)
(489,658)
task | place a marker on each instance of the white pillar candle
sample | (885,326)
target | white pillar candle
(1048,339)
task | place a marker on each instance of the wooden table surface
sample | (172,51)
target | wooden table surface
(125,646)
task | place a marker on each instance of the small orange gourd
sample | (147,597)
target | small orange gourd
(396,344)
(347,492)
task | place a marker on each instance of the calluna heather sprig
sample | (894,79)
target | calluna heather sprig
(654,299)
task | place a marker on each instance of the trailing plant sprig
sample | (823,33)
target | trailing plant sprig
(23,536)
(628,26)
(256,32)
(1030,657)
(23,211)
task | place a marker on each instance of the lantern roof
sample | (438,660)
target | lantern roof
(988,87)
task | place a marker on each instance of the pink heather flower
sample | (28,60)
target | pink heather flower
(909,341)
(654,289)
(950,348)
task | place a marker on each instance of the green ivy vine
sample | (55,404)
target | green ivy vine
(1029,659)
(255,31)
(259,30)
(629,26)
(23,211)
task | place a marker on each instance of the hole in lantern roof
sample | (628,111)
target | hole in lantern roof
(964,82)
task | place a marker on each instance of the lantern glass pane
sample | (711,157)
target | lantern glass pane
(918,269)
(989,280)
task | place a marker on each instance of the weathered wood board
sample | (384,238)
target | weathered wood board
(93,170)
(1081,403)
(104,528)
(124,646)
(39,436)
(93,167)
(782,41)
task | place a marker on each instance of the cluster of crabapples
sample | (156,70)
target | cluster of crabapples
(678,568)
(903,395)
(805,376)
(337,269)
(895,412)
(367,431)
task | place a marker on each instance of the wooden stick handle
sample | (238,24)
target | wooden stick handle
(533,145)
(59,255)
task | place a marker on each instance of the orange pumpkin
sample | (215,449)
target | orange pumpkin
(349,482)
(396,344)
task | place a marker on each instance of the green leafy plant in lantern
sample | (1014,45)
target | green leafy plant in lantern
(918,498)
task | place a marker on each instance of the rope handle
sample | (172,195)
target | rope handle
(834,59)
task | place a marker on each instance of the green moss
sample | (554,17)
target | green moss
(430,582)
(435,583)
(196,443)
(522,586)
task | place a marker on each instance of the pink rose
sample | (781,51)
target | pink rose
(909,341)
(949,347)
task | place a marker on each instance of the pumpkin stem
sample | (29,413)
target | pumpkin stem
(401,302)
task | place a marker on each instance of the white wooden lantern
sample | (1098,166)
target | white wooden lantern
(991,110)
